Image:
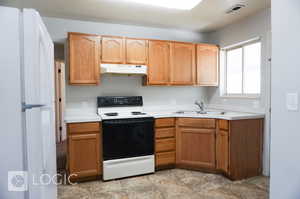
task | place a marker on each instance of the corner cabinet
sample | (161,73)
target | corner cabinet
(183,68)
(84,59)
(159,63)
(239,148)
(207,65)
(196,143)
(84,150)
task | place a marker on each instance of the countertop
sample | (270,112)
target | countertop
(84,117)
(214,114)
(227,115)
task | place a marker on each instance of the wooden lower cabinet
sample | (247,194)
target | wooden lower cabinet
(222,151)
(84,150)
(233,148)
(239,148)
(165,158)
(195,147)
(162,145)
(165,143)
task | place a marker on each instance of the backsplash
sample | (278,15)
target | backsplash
(84,97)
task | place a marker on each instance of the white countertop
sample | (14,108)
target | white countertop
(229,115)
(84,117)
(215,114)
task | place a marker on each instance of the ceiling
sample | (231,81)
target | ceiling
(206,16)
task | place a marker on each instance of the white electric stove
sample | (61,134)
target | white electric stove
(128,137)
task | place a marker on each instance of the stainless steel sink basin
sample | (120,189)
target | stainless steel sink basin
(212,112)
(202,112)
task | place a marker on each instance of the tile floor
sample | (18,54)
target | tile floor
(169,184)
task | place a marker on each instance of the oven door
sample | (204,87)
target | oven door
(128,138)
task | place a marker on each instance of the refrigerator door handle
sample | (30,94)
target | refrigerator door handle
(30,106)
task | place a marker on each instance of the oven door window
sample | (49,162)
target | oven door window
(127,138)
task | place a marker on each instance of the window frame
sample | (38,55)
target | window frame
(224,88)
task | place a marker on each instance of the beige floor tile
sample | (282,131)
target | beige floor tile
(169,184)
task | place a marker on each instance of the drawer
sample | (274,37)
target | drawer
(224,124)
(166,158)
(165,122)
(162,145)
(164,132)
(83,127)
(223,133)
(197,123)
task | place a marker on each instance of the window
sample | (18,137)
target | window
(242,66)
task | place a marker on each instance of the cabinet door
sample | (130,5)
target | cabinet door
(112,50)
(196,148)
(182,63)
(84,59)
(136,51)
(84,155)
(222,151)
(159,63)
(207,65)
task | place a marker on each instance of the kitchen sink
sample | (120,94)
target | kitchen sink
(211,112)
(202,112)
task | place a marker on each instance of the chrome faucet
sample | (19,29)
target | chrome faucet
(200,104)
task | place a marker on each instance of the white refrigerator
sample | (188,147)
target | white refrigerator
(27,142)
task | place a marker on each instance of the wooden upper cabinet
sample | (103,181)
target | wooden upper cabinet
(182,63)
(169,62)
(84,59)
(112,50)
(159,63)
(136,51)
(207,65)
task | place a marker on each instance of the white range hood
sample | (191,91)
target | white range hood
(123,69)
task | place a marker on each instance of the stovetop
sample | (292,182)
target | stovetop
(123,115)
(121,112)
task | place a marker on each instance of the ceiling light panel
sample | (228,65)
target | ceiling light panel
(173,4)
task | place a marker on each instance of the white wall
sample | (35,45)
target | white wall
(85,97)
(58,29)
(257,25)
(249,28)
(285,136)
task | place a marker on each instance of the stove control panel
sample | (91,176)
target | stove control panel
(119,101)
